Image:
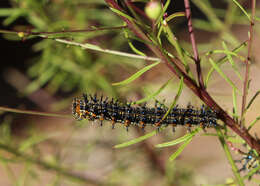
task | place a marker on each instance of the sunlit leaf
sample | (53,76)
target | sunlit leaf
(229,157)
(136,140)
(180,149)
(136,75)
(151,96)
(221,73)
(179,140)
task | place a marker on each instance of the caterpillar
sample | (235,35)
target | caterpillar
(104,109)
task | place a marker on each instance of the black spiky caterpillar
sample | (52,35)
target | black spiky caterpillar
(92,108)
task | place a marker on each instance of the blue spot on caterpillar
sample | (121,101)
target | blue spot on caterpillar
(94,108)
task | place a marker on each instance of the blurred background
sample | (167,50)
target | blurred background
(44,75)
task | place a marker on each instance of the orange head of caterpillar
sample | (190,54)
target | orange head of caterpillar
(76,109)
(79,111)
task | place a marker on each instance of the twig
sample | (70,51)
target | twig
(97,48)
(193,43)
(85,45)
(29,33)
(6,109)
(229,157)
(201,93)
(250,40)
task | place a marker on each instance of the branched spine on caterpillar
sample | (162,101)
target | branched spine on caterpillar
(92,108)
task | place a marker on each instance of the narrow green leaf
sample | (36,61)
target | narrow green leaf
(241,8)
(33,140)
(163,11)
(5,130)
(9,172)
(159,35)
(179,91)
(6,109)
(209,134)
(173,40)
(136,16)
(253,123)
(4,12)
(98,48)
(151,96)
(236,139)
(16,14)
(11,37)
(174,142)
(180,149)
(131,44)
(172,16)
(21,180)
(216,67)
(204,25)
(234,95)
(242,58)
(123,14)
(188,54)
(36,84)
(229,157)
(208,10)
(9,160)
(135,49)
(252,100)
(229,14)
(223,60)
(136,75)
(136,140)
(231,61)
(92,47)
(38,22)
(175,99)
(179,140)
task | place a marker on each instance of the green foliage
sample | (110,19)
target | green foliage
(84,46)
(136,75)
(153,95)
(223,59)
(184,138)
(222,74)
(180,149)
(136,140)
(230,158)
(231,61)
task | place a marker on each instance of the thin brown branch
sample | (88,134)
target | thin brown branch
(28,33)
(201,93)
(193,43)
(246,80)
(20,111)
(138,10)
(86,46)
